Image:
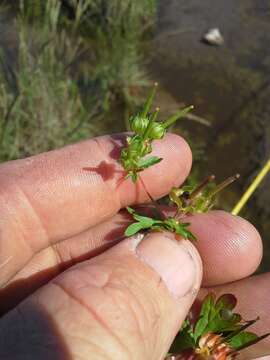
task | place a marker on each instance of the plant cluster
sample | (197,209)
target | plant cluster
(147,223)
(40,102)
(74,60)
(116,30)
(146,129)
(218,333)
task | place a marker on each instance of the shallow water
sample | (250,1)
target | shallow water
(228,85)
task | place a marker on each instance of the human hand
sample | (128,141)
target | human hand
(87,297)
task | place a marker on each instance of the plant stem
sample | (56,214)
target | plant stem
(181,113)
(252,187)
(149,100)
(223,185)
(198,190)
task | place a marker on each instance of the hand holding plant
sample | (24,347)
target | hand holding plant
(218,332)
(118,301)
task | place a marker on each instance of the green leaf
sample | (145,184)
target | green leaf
(145,163)
(202,323)
(242,339)
(149,101)
(134,177)
(184,339)
(130,210)
(182,230)
(133,229)
(144,220)
(181,113)
(217,316)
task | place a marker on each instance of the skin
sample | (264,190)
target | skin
(72,286)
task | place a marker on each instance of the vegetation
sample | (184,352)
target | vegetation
(146,129)
(217,333)
(63,48)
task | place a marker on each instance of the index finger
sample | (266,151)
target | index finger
(55,195)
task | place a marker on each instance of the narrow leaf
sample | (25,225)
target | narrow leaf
(134,177)
(184,339)
(178,115)
(149,101)
(144,220)
(242,339)
(133,229)
(184,232)
(130,210)
(202,323)
(252,342)
(145,163)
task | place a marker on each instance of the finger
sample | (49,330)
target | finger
(127,303)
(230,246)
(253,300)
(51,261)
(222,239)
(55,195)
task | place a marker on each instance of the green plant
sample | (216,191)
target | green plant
(66,47)
(116,30)
(218,332)
(146,129)
(187,200)
(168,224)
(41,106)
(197,198)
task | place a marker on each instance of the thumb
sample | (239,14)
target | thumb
(127,303)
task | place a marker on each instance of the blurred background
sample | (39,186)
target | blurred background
(72,69)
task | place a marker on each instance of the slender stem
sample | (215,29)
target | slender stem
(147,192)
(252,187)
(149,100)
(197,191)
(172,119)
(223,185)
(154,115)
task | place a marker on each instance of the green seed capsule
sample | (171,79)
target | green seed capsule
(156,130)
(139,124)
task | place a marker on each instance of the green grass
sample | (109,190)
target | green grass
(116,30)
(42,105)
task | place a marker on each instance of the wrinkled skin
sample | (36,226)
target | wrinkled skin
(69,292)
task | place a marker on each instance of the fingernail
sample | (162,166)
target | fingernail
(177,262)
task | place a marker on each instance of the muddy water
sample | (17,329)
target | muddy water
(228,85)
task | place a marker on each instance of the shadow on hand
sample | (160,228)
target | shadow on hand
(32,335)
(12,294)
(119,141)
(106,169)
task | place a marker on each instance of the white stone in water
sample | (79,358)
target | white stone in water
(213,37)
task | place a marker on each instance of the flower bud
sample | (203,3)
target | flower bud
(139,124)
(156,130)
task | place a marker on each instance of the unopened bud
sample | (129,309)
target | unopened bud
(156,130)
(139,124)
